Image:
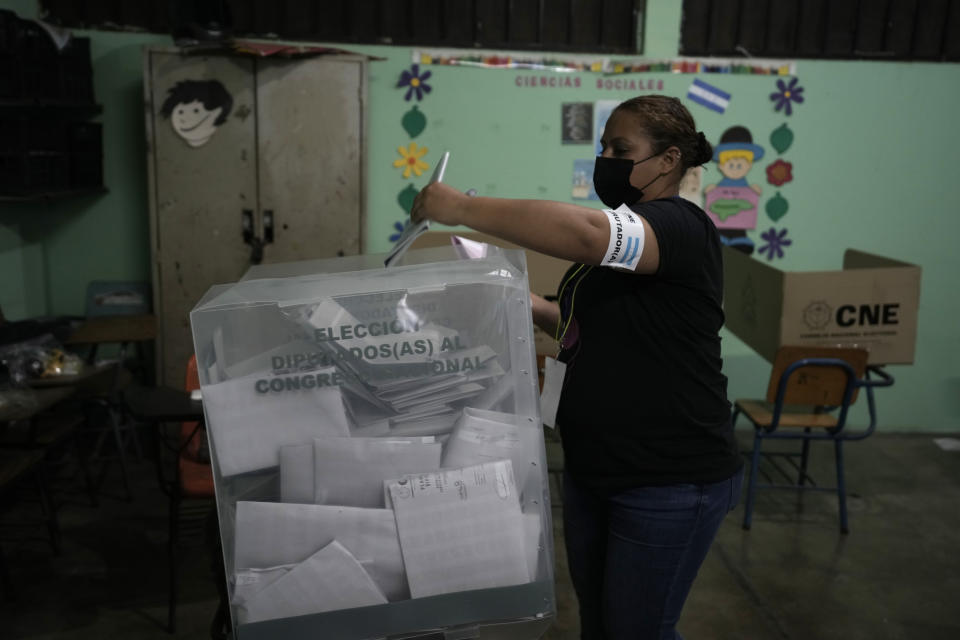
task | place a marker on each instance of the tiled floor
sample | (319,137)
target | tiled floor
(793,576)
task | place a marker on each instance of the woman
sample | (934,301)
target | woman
(651,465)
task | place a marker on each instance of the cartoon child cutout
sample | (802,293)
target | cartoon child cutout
(732,202)
(196,108)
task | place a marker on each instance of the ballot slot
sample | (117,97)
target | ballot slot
(349,389)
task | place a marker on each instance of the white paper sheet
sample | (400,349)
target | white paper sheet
(329,580)
(498,396)
(460,529)
(484,436)
(249,582)
(532,526)
(296,473)
(351,471)
(269,534)
(248,428)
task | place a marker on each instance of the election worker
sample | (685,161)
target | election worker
(651,466)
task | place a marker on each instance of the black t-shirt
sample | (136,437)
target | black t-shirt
(644,401)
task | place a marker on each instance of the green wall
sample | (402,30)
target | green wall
(873,150)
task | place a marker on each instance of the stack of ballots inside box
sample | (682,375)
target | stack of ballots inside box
(376,443)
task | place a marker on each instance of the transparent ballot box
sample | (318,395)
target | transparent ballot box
(377,448)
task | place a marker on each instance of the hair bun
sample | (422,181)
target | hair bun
(704,149)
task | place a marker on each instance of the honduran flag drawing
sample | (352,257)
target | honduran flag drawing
(709,96)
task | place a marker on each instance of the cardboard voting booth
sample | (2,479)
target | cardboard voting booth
(871,303)
(377,448)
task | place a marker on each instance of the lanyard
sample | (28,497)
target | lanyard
(560,333)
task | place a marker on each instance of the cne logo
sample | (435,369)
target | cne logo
(817,315)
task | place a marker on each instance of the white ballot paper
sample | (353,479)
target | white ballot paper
(297,470)
(271,534)
(484,436)
(413,231)
(249,427)
(460,529)
(329,580)
(351,471)
(296,473)
(249,582)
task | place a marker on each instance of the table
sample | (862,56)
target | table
(161,404)
(101,329)
(24,404)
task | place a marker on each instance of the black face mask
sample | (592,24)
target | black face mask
(611,181)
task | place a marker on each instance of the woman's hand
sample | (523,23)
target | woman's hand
(440,203)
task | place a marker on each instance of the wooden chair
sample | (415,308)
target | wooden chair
(193,481)
(809,395)
(192,474)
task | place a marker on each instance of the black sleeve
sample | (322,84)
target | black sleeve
(680,235)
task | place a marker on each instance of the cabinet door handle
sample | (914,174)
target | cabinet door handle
(267,226)
(246,222)
(256,244)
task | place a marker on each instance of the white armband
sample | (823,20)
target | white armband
(626,239)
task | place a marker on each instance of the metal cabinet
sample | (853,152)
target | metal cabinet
(249,160)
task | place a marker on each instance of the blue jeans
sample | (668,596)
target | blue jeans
(633,556)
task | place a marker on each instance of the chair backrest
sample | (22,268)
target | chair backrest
(116,298)
(189,433)
(816,385)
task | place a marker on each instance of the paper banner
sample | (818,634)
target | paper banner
(414,122)
(786,94)
(775,243)
(602,64)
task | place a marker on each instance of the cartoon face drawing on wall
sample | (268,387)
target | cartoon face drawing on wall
(732,202)
(196,108)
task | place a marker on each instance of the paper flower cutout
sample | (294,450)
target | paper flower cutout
(786,94)
(781,138)
(778,173)
(410,159)
(414,122)
(406,197)
(416,81)
(776,241)
(777,207)
(398,227)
